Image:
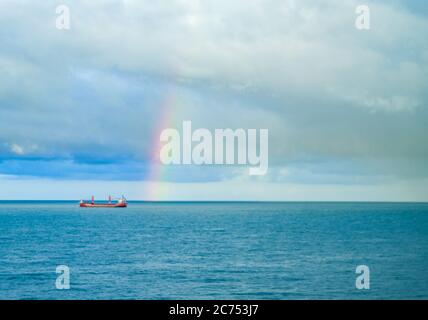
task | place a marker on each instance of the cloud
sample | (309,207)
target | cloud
(17,149)
(327,92)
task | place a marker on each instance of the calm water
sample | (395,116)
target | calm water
(214,250)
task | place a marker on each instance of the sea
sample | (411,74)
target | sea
(214,250)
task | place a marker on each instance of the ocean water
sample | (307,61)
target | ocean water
(214,250)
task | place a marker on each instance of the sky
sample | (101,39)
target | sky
(81,110)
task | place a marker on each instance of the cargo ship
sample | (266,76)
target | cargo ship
(119,203)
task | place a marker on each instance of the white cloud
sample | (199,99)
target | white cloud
(17,149)
(279,47)
(298,68)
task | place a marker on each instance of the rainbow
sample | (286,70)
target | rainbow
(154,189)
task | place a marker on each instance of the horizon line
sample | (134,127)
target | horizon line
(225,201)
